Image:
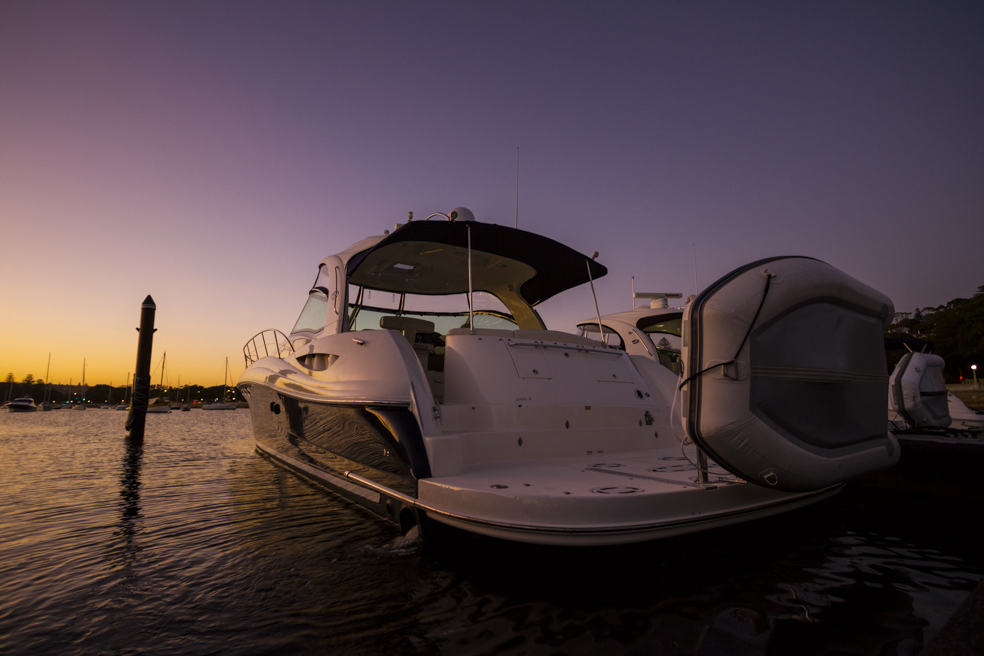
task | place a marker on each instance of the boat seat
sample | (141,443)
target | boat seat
(414,330)
(408,326)
(665,360)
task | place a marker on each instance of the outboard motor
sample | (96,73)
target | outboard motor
(784,382)
(918,393)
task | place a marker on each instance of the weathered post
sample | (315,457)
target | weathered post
(137,417)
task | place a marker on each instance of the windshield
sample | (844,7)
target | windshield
(448,311)
(314,314)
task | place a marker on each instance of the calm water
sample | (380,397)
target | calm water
(195,544)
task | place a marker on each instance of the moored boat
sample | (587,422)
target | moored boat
(421,383)
(920,408)
(24,404)
(158,405)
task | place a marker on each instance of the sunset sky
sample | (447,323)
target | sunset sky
(211,153)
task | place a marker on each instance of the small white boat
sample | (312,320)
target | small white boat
(420,383)
(24,404)
(158,405)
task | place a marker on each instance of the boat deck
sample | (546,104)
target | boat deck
(599,499)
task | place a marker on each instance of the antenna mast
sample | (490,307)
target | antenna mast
(696,286)
(517,187)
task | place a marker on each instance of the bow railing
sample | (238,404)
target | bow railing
(267,343)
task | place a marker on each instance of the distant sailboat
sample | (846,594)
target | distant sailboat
(160,404)
(125,405)
(81,404)
(224,404)
(46,404)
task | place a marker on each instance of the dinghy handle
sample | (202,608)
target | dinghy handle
(769,275)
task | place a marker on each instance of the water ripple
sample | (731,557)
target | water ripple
(193,543)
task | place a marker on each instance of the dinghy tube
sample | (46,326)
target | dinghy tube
(785,375)
(917,391)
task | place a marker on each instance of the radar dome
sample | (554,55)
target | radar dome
(461,214)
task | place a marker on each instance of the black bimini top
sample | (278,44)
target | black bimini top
(430,257)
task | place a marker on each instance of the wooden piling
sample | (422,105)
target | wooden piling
(137,417)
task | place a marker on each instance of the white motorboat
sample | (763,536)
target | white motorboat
(420,383)
(24,404)
(652,331)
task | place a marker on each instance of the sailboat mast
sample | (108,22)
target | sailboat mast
(163,359)
(47,373)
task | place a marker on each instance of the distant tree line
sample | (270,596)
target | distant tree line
(101,394)
(956,330)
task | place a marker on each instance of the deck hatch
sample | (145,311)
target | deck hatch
(616,489)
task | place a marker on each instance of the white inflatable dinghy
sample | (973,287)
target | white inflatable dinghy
(785,375)
(917,391)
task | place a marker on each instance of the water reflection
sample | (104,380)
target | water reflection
(125,548)
(122,550)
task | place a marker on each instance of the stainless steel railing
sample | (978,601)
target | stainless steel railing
(267,343)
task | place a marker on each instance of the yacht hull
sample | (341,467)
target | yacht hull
(374,456)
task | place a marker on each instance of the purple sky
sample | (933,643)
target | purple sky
(210,154)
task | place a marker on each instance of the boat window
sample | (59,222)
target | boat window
(671,324)
(665,332)
(612,338)
(378,299)
(315,313)
(453,303)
